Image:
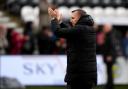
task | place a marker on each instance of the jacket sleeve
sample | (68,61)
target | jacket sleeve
(63,32)
(63,25)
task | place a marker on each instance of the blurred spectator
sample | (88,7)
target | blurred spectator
(46,41)
(125,45)
(15,41)
(60,46)
(100,40)
(3,40)
(109,54)
(29,45)
(28,29)
(110,51)
(9,38)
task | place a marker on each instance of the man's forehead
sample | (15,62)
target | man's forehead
(75,13)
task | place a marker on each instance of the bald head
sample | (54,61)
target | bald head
(80,12)
(107,28)
(75,16)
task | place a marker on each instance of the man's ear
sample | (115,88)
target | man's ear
(80,16)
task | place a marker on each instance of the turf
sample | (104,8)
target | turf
(62,87)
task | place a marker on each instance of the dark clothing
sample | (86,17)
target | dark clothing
(100,39)
(80,85)
(125,47)
(29,46)
(110,80)
(46,44)
(110,50)
(112,45)
(81,51)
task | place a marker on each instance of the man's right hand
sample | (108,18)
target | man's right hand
(59,15)
(109,58)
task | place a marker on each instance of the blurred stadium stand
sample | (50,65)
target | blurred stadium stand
(17,14)
(14,6)
(104,3)
(97,8)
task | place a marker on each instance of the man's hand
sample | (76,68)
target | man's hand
(109,58)
(52,13)
(55,14)
(59,15)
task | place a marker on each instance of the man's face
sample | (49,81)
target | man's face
(75,16)
(107,28)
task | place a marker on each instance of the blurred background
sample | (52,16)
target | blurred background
(32,57)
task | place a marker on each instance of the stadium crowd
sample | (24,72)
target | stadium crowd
(111,39)
(45,42)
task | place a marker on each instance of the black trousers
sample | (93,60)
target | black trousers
(110,83)
(79,85)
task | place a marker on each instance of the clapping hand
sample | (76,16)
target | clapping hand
(52,13)
(55,14)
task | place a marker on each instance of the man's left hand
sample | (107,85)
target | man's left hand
(52,13)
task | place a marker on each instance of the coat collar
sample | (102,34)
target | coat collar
(85,20)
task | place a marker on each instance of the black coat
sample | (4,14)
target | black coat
(110,45)
(46,44)
(81,50)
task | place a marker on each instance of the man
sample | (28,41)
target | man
(111,49)
(46,41)
(81,49)
(125,45)
(3,40)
